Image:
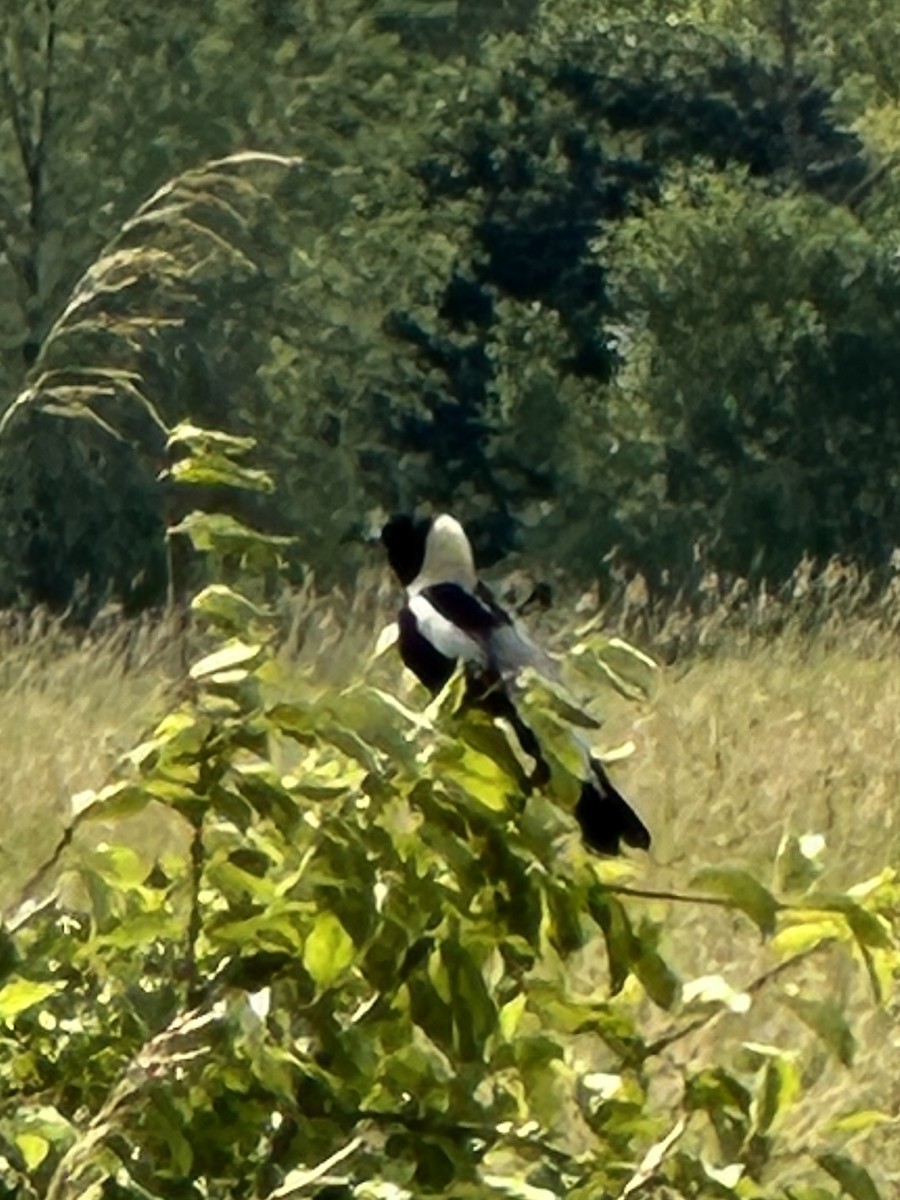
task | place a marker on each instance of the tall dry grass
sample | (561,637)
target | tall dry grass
(776,712)
(70,705)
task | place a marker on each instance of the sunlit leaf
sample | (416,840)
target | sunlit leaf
(553,696)
(34,1149)
(861,1120)
(215,470)
(227,607)
(801,936)
(778,1086)
(328,950)
(868,929)
(511,1014)
(119,799)
(234,654)
(17,996)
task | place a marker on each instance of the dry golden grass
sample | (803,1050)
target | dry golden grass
(70,706)
(785,727)
(775,714)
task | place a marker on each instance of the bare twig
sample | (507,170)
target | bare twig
(298,1181)
(708,1019)
(195,918)
(676,897)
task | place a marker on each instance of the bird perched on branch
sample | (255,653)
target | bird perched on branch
(449,616)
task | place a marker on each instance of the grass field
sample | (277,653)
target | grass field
(69,706)
(771,716)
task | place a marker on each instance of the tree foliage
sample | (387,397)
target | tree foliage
(599,277)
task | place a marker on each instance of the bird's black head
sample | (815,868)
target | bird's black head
(404,539)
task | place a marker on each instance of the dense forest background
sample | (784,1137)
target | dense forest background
(618,282)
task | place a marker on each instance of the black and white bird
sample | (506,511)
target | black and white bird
(449,617)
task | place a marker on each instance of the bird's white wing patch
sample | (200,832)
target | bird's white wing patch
(446,637)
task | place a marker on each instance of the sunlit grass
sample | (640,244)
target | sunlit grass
(774,714)
(69,706)
(776,717)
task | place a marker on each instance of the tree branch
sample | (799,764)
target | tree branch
(708,1019)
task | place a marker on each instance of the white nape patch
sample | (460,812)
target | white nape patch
(448,556)
(446,637)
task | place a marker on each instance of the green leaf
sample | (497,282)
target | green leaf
(273,930)
(743,892)
(516,1188)
(778,1086)
(328,950)
(547,694)
(867,928)
(861,1120)
(715,1089)
(853,1179)
(224,534)
(139,930)
(227,608)
(511,1015)
(9,954)
(21,994)
(798,862)
(118,865)
(827,1021)
(472,1008)
(122,799)
(631,672)
(622,946)
(215,470)
(232,655)
(802,936)
(201,440)
(660,982)
(34,1149)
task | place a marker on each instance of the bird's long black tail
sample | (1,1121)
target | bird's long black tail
(605,816)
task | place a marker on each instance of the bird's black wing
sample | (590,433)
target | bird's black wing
(486,596)
(432,668)
(464,609)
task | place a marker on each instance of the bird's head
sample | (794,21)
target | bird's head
(404,539)
(437,550)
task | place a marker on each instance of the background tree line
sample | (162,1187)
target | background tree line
(603,276)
